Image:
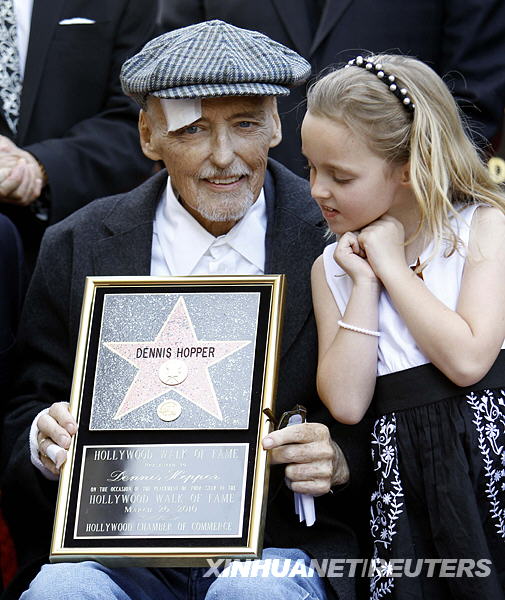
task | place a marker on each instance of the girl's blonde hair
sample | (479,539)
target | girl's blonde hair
(446,170)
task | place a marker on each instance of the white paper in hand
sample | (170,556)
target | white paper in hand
(304,503)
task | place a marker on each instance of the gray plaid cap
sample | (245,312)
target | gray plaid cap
(212,58)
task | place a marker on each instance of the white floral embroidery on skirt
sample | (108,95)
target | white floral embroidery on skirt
(489,420)
(386,504)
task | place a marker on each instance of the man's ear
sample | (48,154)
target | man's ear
(145,131)
(277,132)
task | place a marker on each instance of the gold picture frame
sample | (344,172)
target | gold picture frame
(171,379)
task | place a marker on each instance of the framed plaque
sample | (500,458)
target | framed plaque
(171,379)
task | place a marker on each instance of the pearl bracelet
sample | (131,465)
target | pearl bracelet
(358,329)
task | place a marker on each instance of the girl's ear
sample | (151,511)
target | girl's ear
(405,174)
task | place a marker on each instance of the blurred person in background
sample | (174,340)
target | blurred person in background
(462,41)
(67,132)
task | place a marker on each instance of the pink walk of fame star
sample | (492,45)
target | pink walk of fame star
(178,334)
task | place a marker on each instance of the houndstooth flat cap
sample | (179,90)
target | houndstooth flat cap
(212,58)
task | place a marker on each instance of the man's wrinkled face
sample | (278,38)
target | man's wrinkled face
(217,164)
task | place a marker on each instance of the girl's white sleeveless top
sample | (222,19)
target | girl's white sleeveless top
(442,275)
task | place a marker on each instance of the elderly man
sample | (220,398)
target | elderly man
(223,209)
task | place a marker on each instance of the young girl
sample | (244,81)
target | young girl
(410,309)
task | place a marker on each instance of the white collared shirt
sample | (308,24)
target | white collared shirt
(23,10)
(181,246)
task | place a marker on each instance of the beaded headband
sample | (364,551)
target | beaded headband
(386,78)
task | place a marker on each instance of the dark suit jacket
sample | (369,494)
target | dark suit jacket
(74,116)
(113,236)
(11,295)
(465,41)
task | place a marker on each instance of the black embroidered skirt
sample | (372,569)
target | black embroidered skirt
(438,511)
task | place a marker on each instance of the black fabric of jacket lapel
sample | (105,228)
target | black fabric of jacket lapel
(291,245)
(127,251)
(4,128)
(44,19)
(332,13)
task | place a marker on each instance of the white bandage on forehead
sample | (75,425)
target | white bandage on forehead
(181,112)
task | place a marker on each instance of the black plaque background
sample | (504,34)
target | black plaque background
(87,437)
